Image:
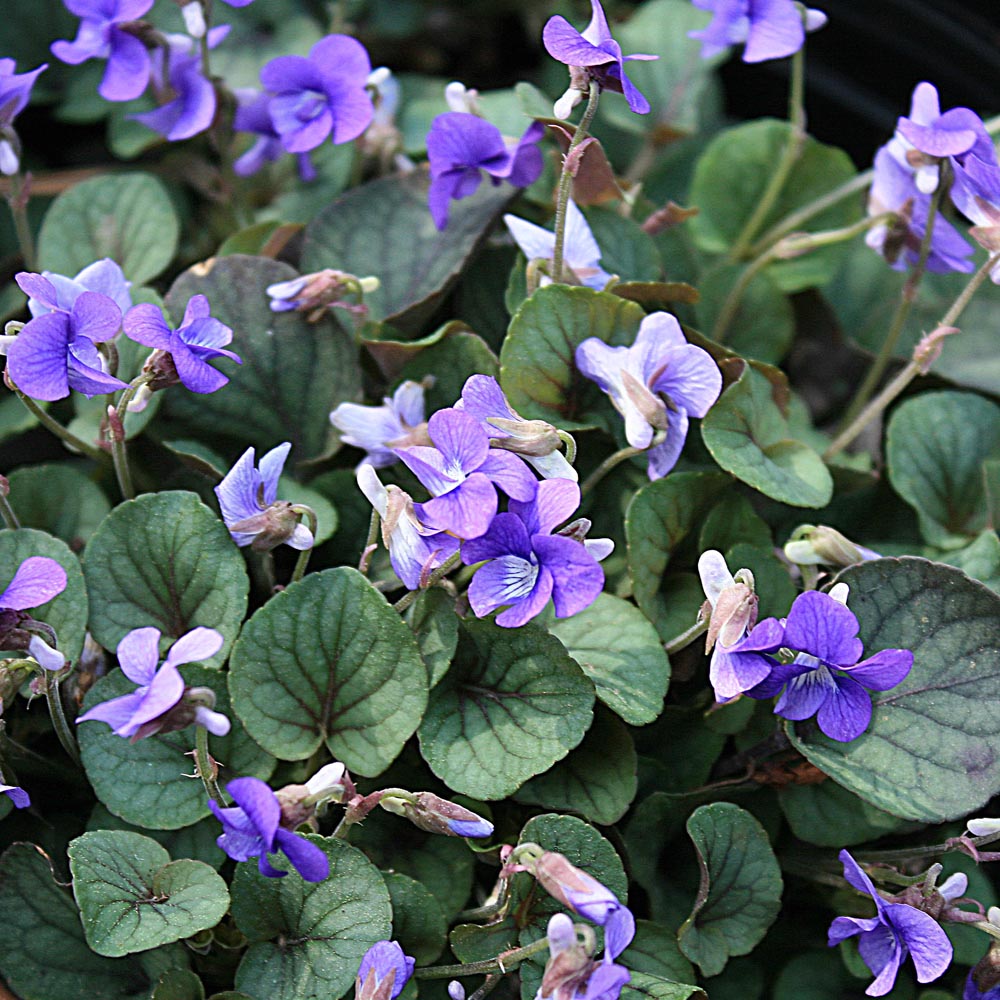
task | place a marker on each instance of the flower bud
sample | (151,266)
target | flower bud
(430,812)
(820,545)
(13,673)
(460,98)
(526,437)
(272,527)
(194,19)
(47,657)
(983,826)
(456,990)
(574,888)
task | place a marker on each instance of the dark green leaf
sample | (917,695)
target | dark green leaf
(654,951)
(733,521)
(435,626)
(643,986)
(178,984)
(625,249)
(197,842)
(59,499)
(830,816)
(814,975)
(456,356)
(980,559)
(417,921)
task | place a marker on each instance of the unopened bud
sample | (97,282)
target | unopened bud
(430,812)
(47,657)
(821,545)
(194,19)
(13,673)
(983,826)
(928,350)
(459,98)
(526,437)
(272,527)
(116,429)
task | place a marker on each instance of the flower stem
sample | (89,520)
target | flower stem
(303,561)
(566,179)
(371,543)
(49,423)
(606,466)
(116,437)
(502,963)
(436,577)
(7,512)
(206,766)
(17,198)
(59,721)
(685,639)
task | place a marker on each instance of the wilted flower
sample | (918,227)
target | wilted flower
(384,971)
(430,812)
(398,422)
(248,499)
(322,290)
(17,795)
(104,276)
(772,29)
(162,703)
(15,91)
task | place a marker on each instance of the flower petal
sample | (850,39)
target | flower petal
(845,714)
(819,625)
(197,645)
(271,466)
(308,859)
(38,579)
(259,803)
(138,654)
(924,936)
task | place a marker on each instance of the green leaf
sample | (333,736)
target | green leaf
(451,360)
(132,897)
(740,892)
(936,445)
(537,368)
(731,177)
(511,706)
(596,780)
(197,842)
(179,984)
(435,627)
(275,395)
(928,754)
(44,954)
(382,227)
(627,250)
(307,939)
(326,514)
(328,661)
(749,436)
(659,517)
(147,783)
(481,942)
(164,559)
(620,652)
(733,521)
(980,559)
(830,816)
(654,951)
(814,975)
(417,921)
(66,612)
(643,986)
(128,217)
(58,499)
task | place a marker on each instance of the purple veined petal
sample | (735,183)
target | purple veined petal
(882,671)
(564,43)
(577,576)
(240,839)
(881,951)
(387,958)
(413,554)
(510,473)
(138,654)
(429,466)
(127,72)
(85,370)
(531,604)
(483,398)
(819,625)
(805,694)
(271,466)
(924,936)
(197,375)
(38,579)
(206,332)
(91,42)
(635,99)
(445,188)
(302,119)
(266,868)
(146,325)
(193,647)
(287,74)
(556,500)
(602,363)
(731,674)
(597,31)
(116,712)
(466,511)
(162,694)
(17,795)
(507,579)
(843,928)
(341,58)
(370,428)
(857,877)
(197,308)
(659,334)
(506,536)
(606,982)
(526,161)
(95,317)
(36,360)
(767,636)
(780,675)
(352,113)
(533,241)
(941,139)
(462,443)
(38,287)
(307,858)
(845,714)
(663,457)
(259,803)
(237,493)
(691,379)
(408,403)
(106,276)
(619,930)
(67,290)
(776,31)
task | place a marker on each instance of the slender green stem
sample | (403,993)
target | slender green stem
(51,424)
(732,301)
(926,851)
(206,766)
(371,542)
(58,715)
(570,444)
(303,561)
(7,513)
(502,963)
(116,437)
(606,466)
(436,577)
(487,910)
(790,156)
(566,179)
(206,70)
(685,639)
(18,201)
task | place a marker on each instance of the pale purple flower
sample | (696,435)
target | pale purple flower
(198,338)
(104,276)
(460,146)
(38,579)
(581,253)
(524,564)
(104,34)
(252,829)
(416,548)
(772,29)
(253,115)
(398,422)
(320,96)
(596,52)
(827,678)
(536,441)
(17,795)
(15,91)
(460,472)
(56,352)
(384,971)
(571,973)
(656,385)
(158,704)
(248,499)
(896,930)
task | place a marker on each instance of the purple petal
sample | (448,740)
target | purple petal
(663,457)
(85,369)
(805,694)
(606,982)
(556,500)
(342,59)
(17,795)
(577,575)
(731,673)
(526,163)
(619,930)
(459,139)
(461,441)
(197,375)
(465,511)
(266,868)
(506,536)
(428,465)
(352,114)
(563,42)
(307,858)
(857,877)
(883,670)
(506,579)
(145,325)
(819,625)
(197,645)
(844,927)
(776,31)
(408,403)
(138,654)
(106,276)
(127,72)
(881,952)
(38,579)
(165,691)
(483,398)
(271,466)
(533,241)
(38,287)
(951,134)
(691,379)
(36,360)
(845,714)
(387,958)
(767,636)
(291,73)
(116,712)
(259,803)
(95,317)
(237,493)
(924,936)
(239,839)
(509,472)
(531,604)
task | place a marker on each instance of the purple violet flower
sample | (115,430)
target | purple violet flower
(972,991)
(251,829)
(189,347)
(655,384)
(572,974)
(159,703)
(896,930)
(320,96)
(772,29)
(105,33)
(460,472)
(415,548)
(581,253)
(384,971)
(17,795)
(525,564)
(248,499)
(461,145)
(253,115)
(57,351)
(826,678)
(104,276)
(37,580)
(15,91)
(595,52)
(398,422)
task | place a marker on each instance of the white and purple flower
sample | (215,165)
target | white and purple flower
(397,423)
(772,29)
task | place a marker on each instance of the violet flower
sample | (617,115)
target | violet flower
(182,354)
(37,580)
(398,422)
(253,115)
(57,351)
(162,703)
(536,441)
(461,145)
(896,930)
(416,549)
(104,276)
(106,33)
(320,96)
(772,29)
(15,91)
(384,971)
(596,53)
(252,829)
(581,253)
(525,564)
(827,678)
(655,384)
(248,499)
(572,974)
(460,472)
(17,795)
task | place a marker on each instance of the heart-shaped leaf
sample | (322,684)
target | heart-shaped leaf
(58,499)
